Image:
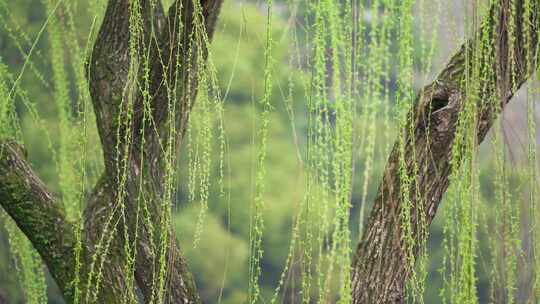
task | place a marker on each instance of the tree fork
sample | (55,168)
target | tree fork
(41,216)
(380,266)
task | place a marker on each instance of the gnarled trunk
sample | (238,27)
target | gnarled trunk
(116,244)
(381,265)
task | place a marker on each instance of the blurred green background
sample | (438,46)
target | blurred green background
(220,260)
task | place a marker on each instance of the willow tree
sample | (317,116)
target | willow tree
(127,99)
(143,77)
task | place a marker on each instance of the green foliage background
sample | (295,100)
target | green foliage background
(220,259)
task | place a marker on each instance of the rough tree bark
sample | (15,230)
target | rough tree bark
(168,38)
(380,263)
(379,269)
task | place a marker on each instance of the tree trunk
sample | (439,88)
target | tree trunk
(381,264)
(111,223)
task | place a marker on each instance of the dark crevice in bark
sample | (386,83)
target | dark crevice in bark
(380,264)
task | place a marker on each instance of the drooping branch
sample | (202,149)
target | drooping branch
(176,70)
(380,267)
(188,27)
(135,153)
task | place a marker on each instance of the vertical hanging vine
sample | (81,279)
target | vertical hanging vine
(360,64)
(256,221)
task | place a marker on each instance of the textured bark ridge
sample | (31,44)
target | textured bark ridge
(167,39)
(380,265)
(37,213)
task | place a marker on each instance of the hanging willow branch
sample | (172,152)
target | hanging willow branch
(383,256)
(143,83)
(140,71)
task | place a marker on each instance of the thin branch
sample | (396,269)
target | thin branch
(165,45)
(180,48)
